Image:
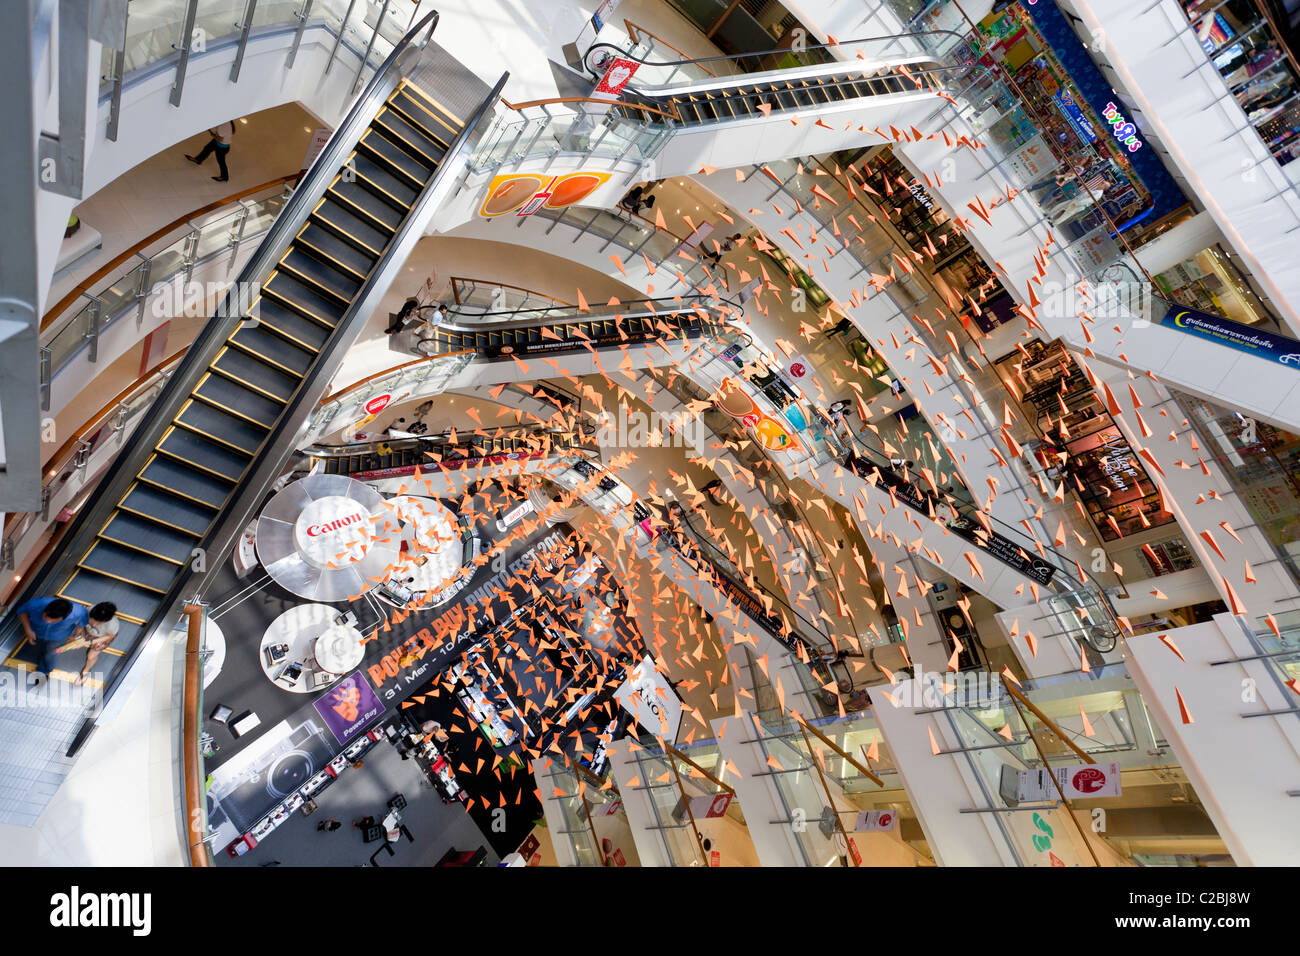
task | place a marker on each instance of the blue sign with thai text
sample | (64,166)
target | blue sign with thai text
(1071,111)
(1243,338)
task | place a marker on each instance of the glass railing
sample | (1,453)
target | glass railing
(422,378)
(669,782)
(587,129)
(574,799)
(66,472)
(156,35)
(199,242)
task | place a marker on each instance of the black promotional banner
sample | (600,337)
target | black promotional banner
(1004,549)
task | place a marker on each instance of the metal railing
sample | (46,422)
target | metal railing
(158,277)
(156,43)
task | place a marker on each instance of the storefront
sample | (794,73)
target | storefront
(1263,464)
(1261,76)
(1094,159)
(1210,282)
(1119,495)
(959,270)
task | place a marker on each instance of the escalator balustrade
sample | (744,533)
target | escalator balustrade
(746,100)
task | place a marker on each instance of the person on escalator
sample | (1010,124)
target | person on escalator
(47,623)
(100,631)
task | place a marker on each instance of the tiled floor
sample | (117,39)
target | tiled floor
(116,805)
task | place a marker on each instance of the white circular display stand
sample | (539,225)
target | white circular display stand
(431,548)
(327,538)
(299,628)
(339,649)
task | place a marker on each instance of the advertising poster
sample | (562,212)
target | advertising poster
(639,695)
(616,77)
(525,193)
(349,706)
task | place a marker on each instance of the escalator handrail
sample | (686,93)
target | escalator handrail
(317,179)
(630,309)
(779,51)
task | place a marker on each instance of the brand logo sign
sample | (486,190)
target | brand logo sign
(378,403)
(1122,129)
(316,530)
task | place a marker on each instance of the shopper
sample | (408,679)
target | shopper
(636,200)
(220,144)
(328,826)
(100,632)
(48,622)
(840,327)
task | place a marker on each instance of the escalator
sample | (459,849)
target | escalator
(565,333)
(691,93)
(190,475)
(256,368)
(394,459)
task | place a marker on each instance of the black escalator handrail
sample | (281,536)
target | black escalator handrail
(709,548)
(965,509)
(784,51)
(228,314)
(632,309)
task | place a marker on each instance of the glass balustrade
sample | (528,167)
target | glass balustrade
(128,295)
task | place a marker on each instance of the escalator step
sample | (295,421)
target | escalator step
(217,425)
(397,191)
(303,298)
(149,537)
(153,574)
(319,241)
(409,136)
(292,326)
(269,347)
(225,394)
(365,204)
(149,502)
(415,171)
(350,228)
(209,457)
(88,588)
(320,275)
(186,482)
(425,111)
(248,371)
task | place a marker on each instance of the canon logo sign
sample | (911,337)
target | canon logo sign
(316,530)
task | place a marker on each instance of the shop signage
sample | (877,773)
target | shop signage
(710,805)
(1070,110)
(1077,782)
(1003,549)
(639,695)
(349,706)
(1121,129)
(1118,464)
(1033,160)
(470,462)
(798,369)
(377,404)
(1243,338)
(876,820)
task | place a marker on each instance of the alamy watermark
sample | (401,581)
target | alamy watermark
(637,429)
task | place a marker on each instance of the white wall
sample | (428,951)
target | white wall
(1240,767)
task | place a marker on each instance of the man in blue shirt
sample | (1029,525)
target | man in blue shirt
(48,622)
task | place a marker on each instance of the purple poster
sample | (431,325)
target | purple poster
(349,706)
